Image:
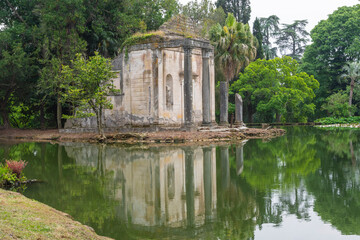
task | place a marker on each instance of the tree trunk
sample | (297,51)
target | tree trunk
(5,115)
(99,123)
(42,117)
(278,117)
(351,93)
(353,159)
(58,113)
(224,99)
(250,112)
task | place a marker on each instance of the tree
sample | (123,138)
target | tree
(293,37)
(269,28)
(352,71)
(337,105)
(15,71)
(259,37)
(87,84)
(333,45)
(239,8)
(204,14)
(234,49)
(277,90)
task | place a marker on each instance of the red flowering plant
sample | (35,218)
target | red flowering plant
(16,166)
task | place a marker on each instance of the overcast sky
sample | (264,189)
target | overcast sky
(290,10)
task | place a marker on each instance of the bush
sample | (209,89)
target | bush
(342,120)
(10,175)
(16,166)
(7,177)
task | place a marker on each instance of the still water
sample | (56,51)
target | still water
(304,185)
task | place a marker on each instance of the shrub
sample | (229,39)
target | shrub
(343,120)
(16,166)
(7,177)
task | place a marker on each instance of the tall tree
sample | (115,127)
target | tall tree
(269,29)
(15,71)
(277,90)
(352,72)
(239,8)
(257,33)
(204,14)
(62,23)
(333,46)
(18,47)
(293,37)
(234,49)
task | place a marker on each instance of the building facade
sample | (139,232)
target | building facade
(167,81)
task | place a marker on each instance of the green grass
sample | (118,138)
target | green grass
(23,218)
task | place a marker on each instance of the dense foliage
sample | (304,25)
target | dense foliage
(341,120)
(335,42)
(275,90)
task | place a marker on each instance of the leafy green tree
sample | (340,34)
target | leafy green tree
(352,72)
(269,29)
(87,84)
(239,8)
(198,11)
(204,15)
(154,12)
(62,23)
(15,70)
(277,88)
(337,105)
(334,42)
(234,47)
(257,33)
(293,37)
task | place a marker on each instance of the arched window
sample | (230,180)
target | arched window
(169,92)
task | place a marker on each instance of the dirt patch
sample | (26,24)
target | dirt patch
(23,218)
(220,135)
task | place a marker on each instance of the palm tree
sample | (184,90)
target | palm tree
(234,50)
(352,72)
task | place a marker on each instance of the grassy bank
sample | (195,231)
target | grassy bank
(23,218)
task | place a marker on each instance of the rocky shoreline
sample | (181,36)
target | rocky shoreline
(202,135)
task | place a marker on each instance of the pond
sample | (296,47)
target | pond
(304,185)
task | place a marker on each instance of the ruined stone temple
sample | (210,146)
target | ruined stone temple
(167,81)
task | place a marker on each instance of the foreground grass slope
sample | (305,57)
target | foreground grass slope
(23,218)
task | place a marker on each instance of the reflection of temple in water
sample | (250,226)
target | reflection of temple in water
(169,187)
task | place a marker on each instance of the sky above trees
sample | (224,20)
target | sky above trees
(288,11)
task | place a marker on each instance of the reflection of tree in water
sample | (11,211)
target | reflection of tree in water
(336,186)
(269,185)
(281,163)
(237,208)
(69,187)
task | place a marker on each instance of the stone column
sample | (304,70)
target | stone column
(224,103)
(240,158)
(188,88)
(225,167)
(238,110)
(206,101)
(155,87)
(189,187)
(207,182)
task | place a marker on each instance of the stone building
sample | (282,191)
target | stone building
(167,80)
